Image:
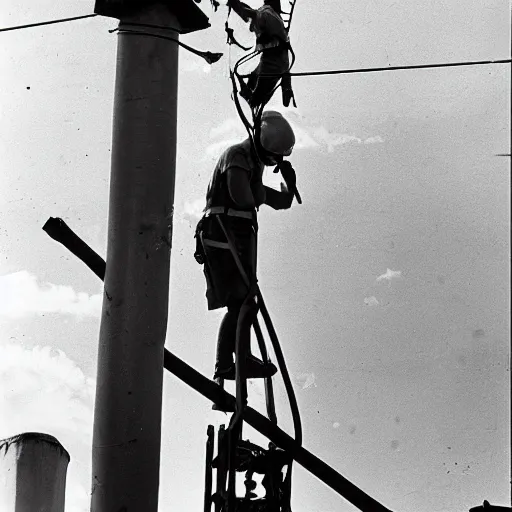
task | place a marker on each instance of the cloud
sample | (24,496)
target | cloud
(330,139)
(389,275)
(232,131)
(193,210)
(319,136)
(377,139)
(306,380)
(229,126)
(21,295)
(42,390)
(303,139)
(214,150)
(333,139)
(195,64)
(371,301)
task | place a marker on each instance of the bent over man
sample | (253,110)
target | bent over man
(273,43)
(234,194)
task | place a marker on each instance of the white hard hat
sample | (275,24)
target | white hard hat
(276,135)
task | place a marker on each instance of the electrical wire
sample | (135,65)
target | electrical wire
(51,22)
(302,73)
(389,68)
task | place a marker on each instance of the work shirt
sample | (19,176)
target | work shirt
(223,193)
(268,27)
(224,284)
(273,42)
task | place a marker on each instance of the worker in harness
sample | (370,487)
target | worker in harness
(273,43)
(235,193)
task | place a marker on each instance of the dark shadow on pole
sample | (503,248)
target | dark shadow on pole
(59,231)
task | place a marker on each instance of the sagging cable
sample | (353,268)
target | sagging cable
(208,56)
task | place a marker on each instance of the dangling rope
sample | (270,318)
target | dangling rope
(231,34)
(235,75)
(231,38)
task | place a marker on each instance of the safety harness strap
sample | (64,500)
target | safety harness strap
(231,212)
(215,243)
(232,247)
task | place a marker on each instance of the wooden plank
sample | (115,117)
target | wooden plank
(215,393)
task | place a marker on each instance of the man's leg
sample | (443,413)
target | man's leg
(247,88)
(272,61)
(254,368)
(226,341)
(237,321)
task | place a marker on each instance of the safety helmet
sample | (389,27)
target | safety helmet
(276,134)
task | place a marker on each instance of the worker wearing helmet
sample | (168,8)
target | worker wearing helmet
(273,43)
(235,193)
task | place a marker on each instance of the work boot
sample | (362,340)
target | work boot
(224,372)
(245,91)
(288,96)
(223,407)
(255,369)
(219,376)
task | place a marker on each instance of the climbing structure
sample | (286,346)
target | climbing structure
(234,454)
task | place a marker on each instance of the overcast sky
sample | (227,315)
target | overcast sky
(389,286)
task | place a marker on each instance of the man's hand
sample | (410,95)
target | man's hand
(290,178)
(288,174)
(243,10)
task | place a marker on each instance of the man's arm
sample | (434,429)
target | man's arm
(278,200)
(239,187)
(243,10)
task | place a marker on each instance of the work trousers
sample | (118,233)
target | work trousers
(275,61)
(225,286)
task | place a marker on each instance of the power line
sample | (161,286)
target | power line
(302,73)
(389,68)
(51,22)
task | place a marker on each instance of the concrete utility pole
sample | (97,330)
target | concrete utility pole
(33,469)
(127,416)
